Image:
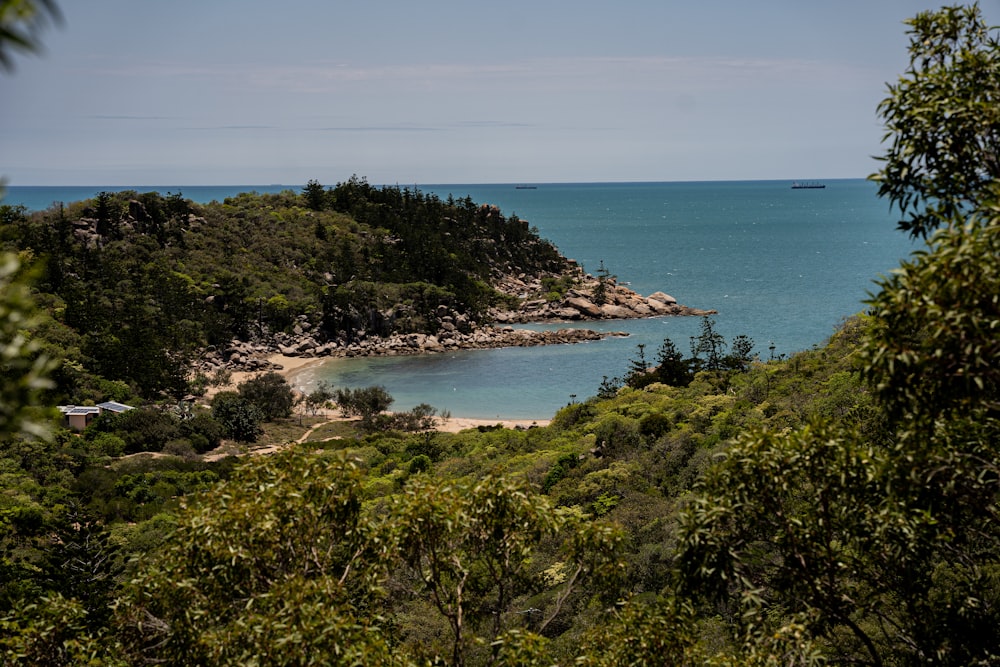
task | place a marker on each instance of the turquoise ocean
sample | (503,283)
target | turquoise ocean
(783,266)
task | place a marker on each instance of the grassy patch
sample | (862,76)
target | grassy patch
(335,429)
(290,429)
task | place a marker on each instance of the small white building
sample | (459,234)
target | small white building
(78,416)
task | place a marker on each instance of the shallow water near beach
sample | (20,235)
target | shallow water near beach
(782,266)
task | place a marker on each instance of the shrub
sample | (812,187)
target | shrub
(144,429)
(616,434)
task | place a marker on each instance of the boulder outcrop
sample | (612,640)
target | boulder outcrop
(589,300)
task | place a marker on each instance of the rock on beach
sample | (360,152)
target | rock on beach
(457,331)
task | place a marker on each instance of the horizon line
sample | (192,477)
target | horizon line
(8,186)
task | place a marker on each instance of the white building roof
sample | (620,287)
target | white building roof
(79,409)
(114,406)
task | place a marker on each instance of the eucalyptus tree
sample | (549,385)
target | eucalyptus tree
(280,565)
(886,550)
(942,120)
(472,549)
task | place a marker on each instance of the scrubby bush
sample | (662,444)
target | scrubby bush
(654,425)
(365,403)
(419,463)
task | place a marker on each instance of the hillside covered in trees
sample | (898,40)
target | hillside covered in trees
(836,507)
(137,285)
(487,546)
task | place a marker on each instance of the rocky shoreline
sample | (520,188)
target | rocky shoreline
(579,304)
(457,332)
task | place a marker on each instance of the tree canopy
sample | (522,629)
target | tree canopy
(943,121)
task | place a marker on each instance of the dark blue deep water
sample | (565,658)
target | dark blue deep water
(782,266)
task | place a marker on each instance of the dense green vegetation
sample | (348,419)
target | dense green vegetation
(590,505)
(136,285)
(839,506)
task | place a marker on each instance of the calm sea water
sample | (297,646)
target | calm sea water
(782,266)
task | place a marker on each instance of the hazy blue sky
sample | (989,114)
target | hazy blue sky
(190,92)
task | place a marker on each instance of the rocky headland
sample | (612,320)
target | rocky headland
(591,299)
(569,296)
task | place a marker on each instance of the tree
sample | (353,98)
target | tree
(319,398)
(935,349)
(789,522)
(85,564)
(471,546)
(279,565)
(643,634)
(366,402)
(609,387)
(108,217)
(204,432)
(639,374)
(604,278)
(239,417)
(53,631)
(943,120)
(741,354)
(709,343)
(421,417)
(143,429)
(672,369)
(270,393)
(314,195)
(639,364)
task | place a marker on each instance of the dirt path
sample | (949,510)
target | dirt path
(450,425)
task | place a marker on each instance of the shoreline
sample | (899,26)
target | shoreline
(455,331)
(288,366)
(290,354)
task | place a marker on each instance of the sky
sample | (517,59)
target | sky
(227,92)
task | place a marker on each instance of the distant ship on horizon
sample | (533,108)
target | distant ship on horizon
(807,185)
(525,187)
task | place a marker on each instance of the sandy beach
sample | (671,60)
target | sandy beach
(291,365)
(456,424)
